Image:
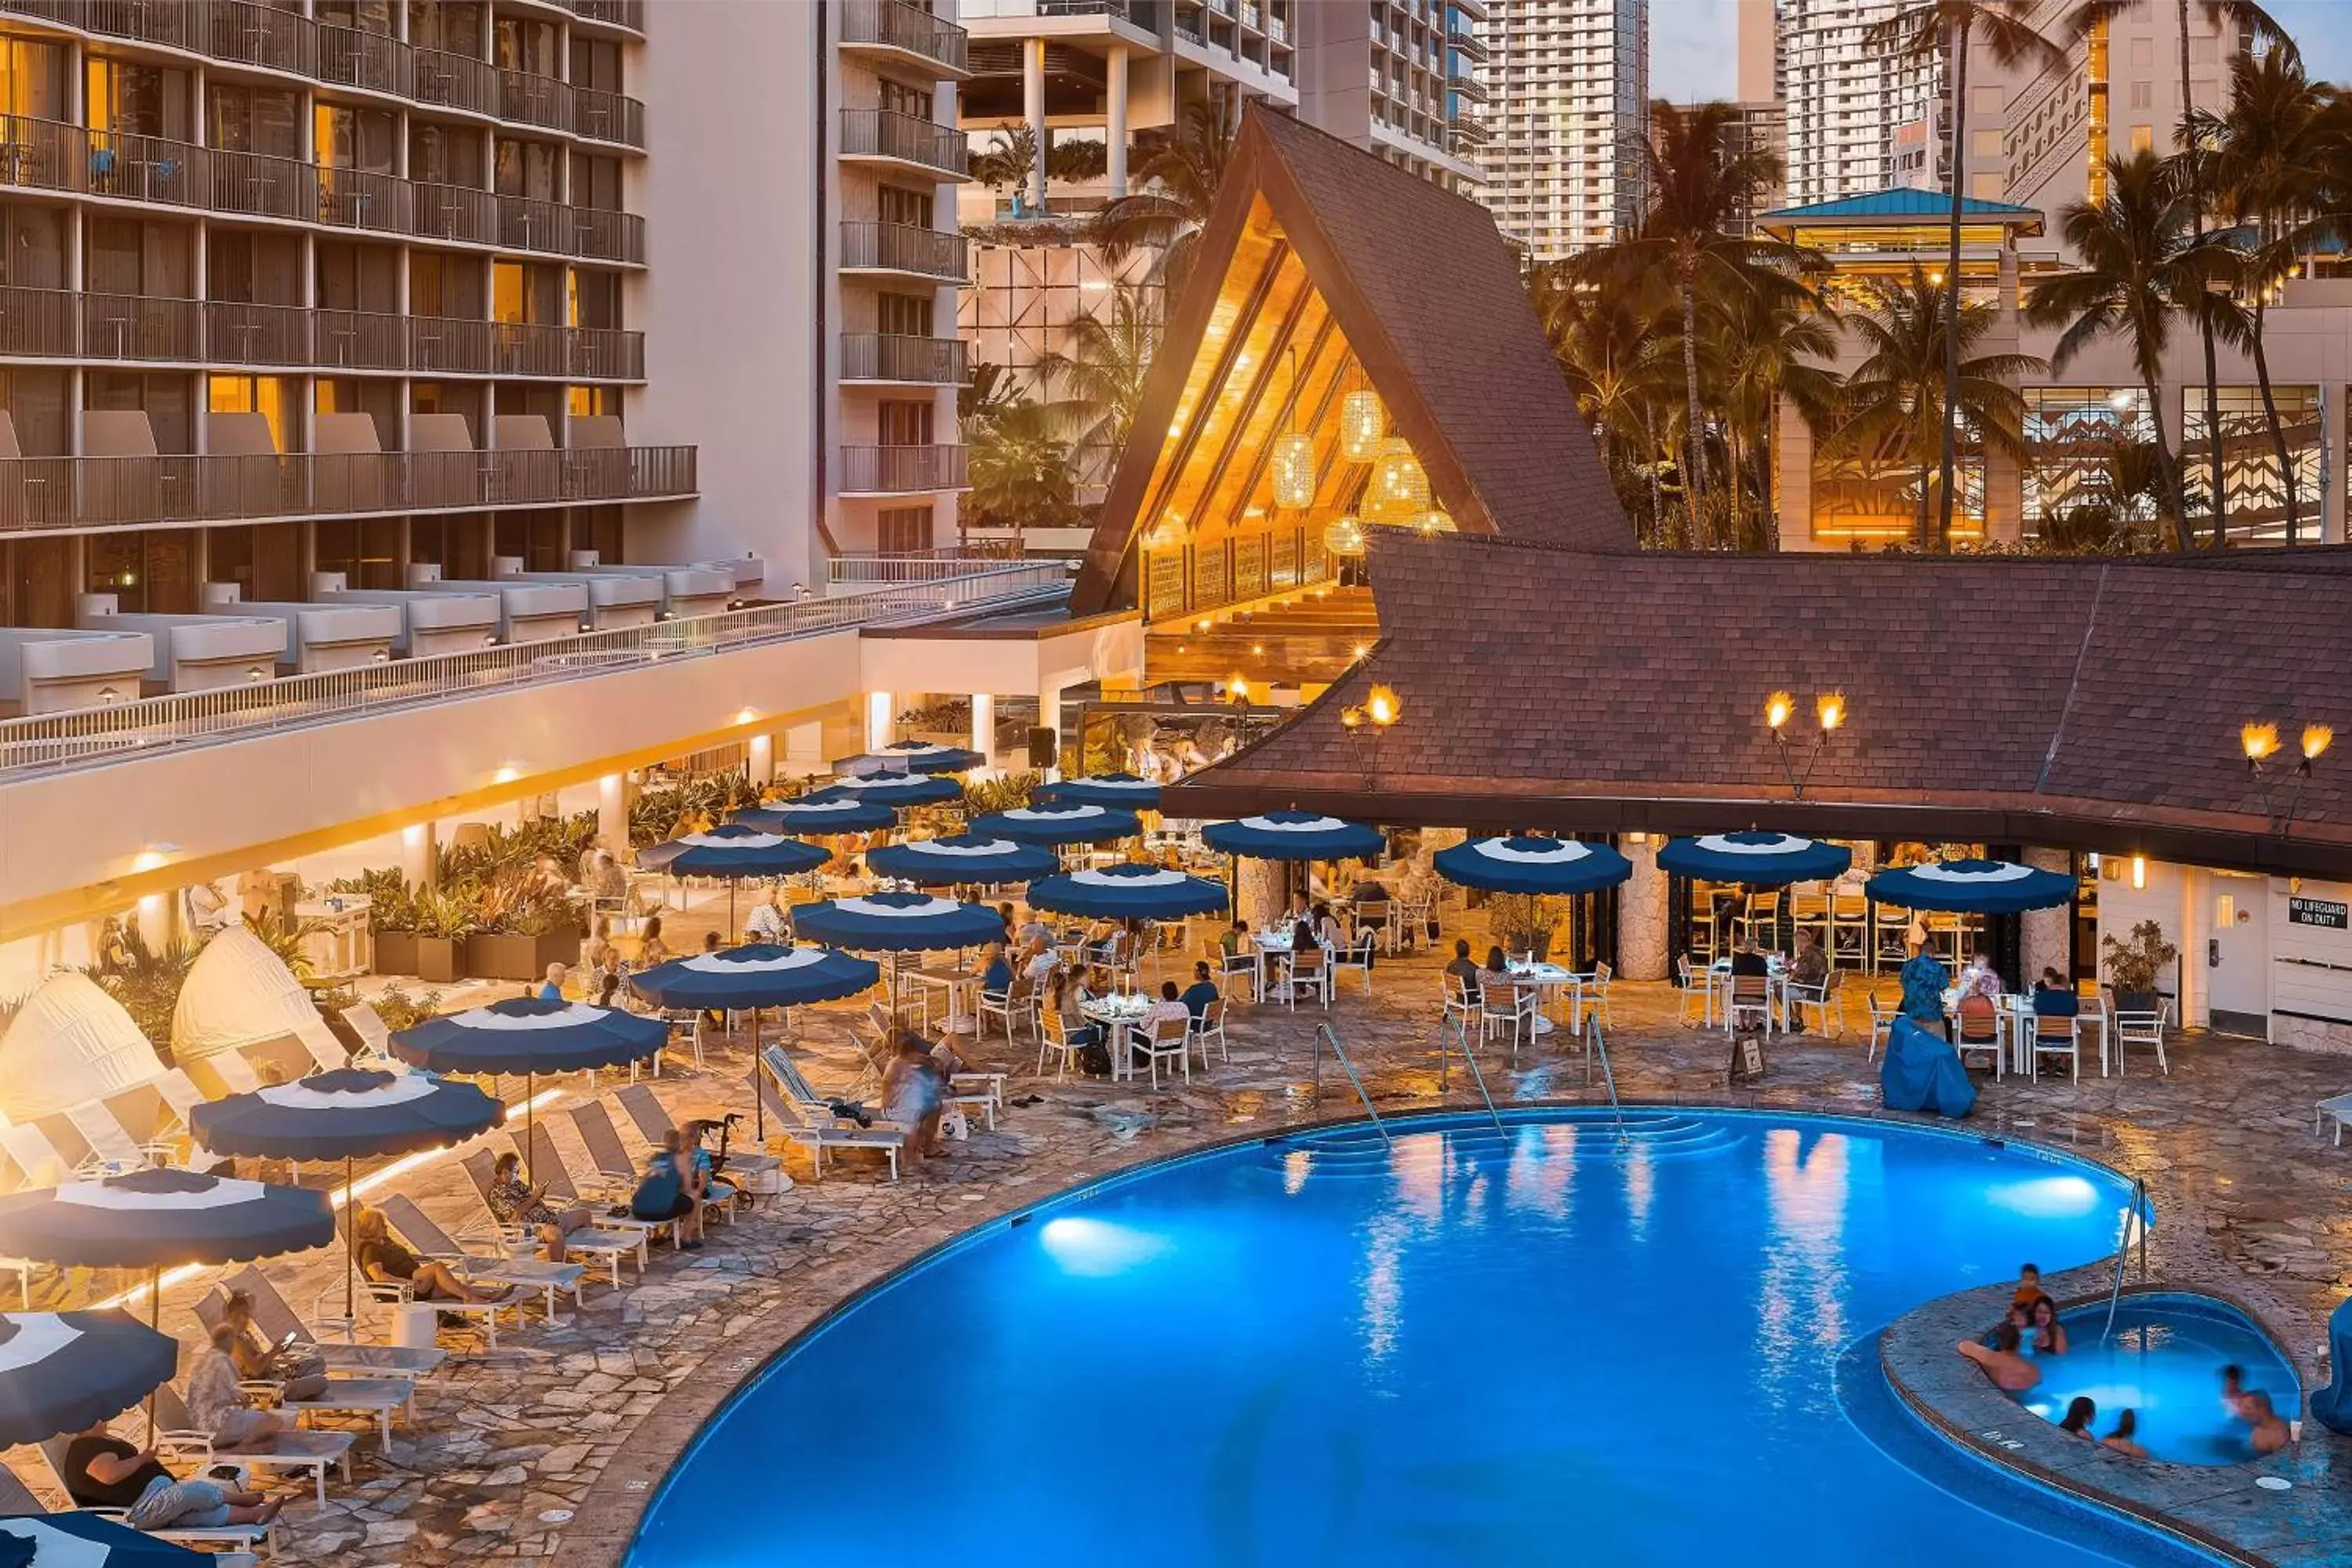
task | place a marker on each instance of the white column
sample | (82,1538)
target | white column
(878,713)
(2041,937)
(419,844)
(1114,132)
(1642,912)
(984,727)
(804,748)
(1033,110)
(153,919)
(613,813)
(760,758)
(1258,892)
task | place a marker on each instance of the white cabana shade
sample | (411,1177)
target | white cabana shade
(240,996)
(71,1044)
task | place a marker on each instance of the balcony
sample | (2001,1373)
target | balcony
(250,33)
(902,470)
(886,136)
(901,360)
(55,494)
(906,249)
(1470,44)
(44,154)
(906,33)
(1468,86)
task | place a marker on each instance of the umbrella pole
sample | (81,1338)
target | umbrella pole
(155,1321)
(351,1256)
(758,1100)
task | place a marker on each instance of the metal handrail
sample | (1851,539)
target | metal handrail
(2135,1229)
(1598,1047)
(1462,1039)
(94,737)
(1323,1035)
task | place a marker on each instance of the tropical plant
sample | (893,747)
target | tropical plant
(1021,475)
(147,980)
(1007,792)
(1766,346)
(1176,173)
(1523,922)
(392,903)
(2110,517)
(285,940)
(444,916)
(657,810)
(2141,265)
(1894,409)
(1099,374)
(399,1010)
(1614,343)
(1078,160)
(989,392)
(1009,158)
(2135,964)
(1950,31)
(1703,177)
(2258,160)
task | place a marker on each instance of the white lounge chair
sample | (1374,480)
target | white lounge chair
(188,1450)
(375,1038)
(280,1325)
(427,1239)
(653,1124)
(609,1238)
(238,1539)
(808,1121)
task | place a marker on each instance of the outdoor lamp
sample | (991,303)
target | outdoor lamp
(1362,423)
(1237,687)
(1351,718)
(2317,739)
(1381,706)
(1831,709)
(1777,709)
(1366,726)
(2260,742)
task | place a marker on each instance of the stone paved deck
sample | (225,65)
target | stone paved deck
(556,1442)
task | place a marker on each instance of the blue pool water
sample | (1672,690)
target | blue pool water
(2165,1364)
(1547,1347)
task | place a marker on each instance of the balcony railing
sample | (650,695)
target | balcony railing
(888,356)
(629,14)
(902,470)
(58,324)
(247,32)
(886,133)
(905,248)
(861,571)
(156,726)
(39,494)
(895,25)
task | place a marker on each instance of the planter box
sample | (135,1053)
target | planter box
(440,961)
(395,953)
(522,958)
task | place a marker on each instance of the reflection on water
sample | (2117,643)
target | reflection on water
(1801,1315)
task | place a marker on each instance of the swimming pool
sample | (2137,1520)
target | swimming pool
(2164,1363)
(1543,1346)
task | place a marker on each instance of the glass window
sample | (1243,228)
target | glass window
(270,396)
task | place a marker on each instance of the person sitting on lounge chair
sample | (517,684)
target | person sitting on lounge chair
(514,1201)
(299,1376)
(385,1261)
(217,1405)
(101,1470)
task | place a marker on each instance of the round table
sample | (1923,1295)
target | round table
(1117,1014)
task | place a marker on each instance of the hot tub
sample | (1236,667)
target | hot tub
(2165,1364)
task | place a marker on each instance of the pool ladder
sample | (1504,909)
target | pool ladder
(1324,1036)
(1477,1074)
(2136,1229)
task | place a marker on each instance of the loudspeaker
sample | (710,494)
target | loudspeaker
(1043,747)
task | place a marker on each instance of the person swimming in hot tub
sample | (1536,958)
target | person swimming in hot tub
(2049,1333)
(2270,1434)
(2233,1392)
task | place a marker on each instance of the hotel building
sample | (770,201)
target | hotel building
(1569,83)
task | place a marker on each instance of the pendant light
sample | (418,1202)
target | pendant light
(1292,463)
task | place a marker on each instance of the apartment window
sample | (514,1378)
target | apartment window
(596,182)
(2143,138)
(148,573)
(362,16)
(445,155)
(270,396)
(136,100)
(379,400)
(2143,51)
(33,246)
(904,424)
(597,63)
(2143,94)
(38,403)
(897,204)
(355,276)
(443,284)
(459,545)
(32,79)
(366,550)
(595,297)
(1985,143)
(597,528)
(593,403)
(524,46)
(449,398)
(166,400)
(130,256)
(253,267)
(526,169)
(1987,100)
(454,26)
(904,315)
(530,291)
(255,120)
(902,530)
(538,538)
(363,139)
(901,98)
(263,559)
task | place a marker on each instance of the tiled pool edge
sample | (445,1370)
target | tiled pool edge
(607,1522)
(2216,1508)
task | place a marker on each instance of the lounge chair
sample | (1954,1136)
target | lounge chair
(343,1358)
(190,1450)
(156,1113)
(718,1202)
(809,1121)
(375,1038)
(610,1156)
(427,1239)
(609,1238)
(653,1124)
(967,1091)
(111,1143)
(31,1151)
(238,1539)
(379,1394)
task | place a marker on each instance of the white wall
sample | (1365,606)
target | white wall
(2311,976)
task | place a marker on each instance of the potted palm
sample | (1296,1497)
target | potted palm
(1522,922)
(445,924)
(2134,965)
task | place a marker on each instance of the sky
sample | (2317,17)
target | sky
(1692,54)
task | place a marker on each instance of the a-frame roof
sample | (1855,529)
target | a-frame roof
(1429,299)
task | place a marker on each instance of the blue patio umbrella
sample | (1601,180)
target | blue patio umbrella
(524,1035)
(1757,859)
(928,757)
(1128,892)
(1537,866)
(820,815)
(1973,887)
(1075,822)
(78,1539)
(760,975)
(899,923)
(733,852)
(1103,789)
(964,857)
(59,1372)
(1294,836)
(895,790)
(161,1218)
(350,1113)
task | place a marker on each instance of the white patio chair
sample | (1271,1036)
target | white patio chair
(810,1121)
(1356,956)
(1311,970)
(1592,996)
(1694,982)
(1210,1026)
(1166,1038)
(1054,1040)
(1973,1035)
(1882,1024)
(1460,1007)
(1750,997)
(2142,1029)
(2340,1108)
(1511,1008)
(424,1237)
(276,1320)
(1018,1003)
(2057,1035)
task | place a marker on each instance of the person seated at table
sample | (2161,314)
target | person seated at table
(1034,929)
(2053,998)
(1234,938)
(1495,976)
(1809,966)
(1328,928)
(2049,1333)
(101,1470)
(996,974)
(1979,1016)
(1999,1361)
(1040,960)
(1066,996)
(1302,933)
(1923,977)
(386,1262)
(1747,960)
(2124,1438)
(1169,1008)
(1296,909)
(1978,971)
(2270,1434)
(1200,992)
(1462,969)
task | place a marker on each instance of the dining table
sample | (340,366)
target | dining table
(1117,1011)
(1776,988)
(1548,980)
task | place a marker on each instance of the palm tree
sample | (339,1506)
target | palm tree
(1100,373)
(1021,475)
(2262,176)
(1177,176)
(1703,177)
(2141,265)
(1611,338)
(1011,156)
(1768,349)
(1898,405)
(1945,29)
